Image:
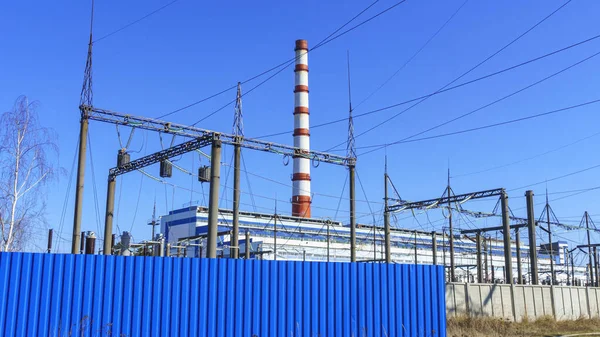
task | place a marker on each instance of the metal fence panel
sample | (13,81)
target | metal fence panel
(94,295)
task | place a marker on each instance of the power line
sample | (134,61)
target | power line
(527,159)
(288,62)
(134,22)
(444,90)
(413,55)
(407,140)
(556,178)
(463,75)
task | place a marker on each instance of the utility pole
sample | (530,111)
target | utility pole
(50,232)
(493,272)
(550,240)
(247,245)
(449,190)
(416,253)
(572,267)
(532,240)
(213,201)
(434,247)
(587,229)
(566,252)
(86,99)
(487,275)
(519,268)
(479,264)
(596,265)
(108,219)
(238,131)
(351,154)
(328,223)
(386,218)
(506,232)
(275,233)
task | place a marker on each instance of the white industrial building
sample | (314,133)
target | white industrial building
(300,238)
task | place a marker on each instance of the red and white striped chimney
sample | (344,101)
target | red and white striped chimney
(301,177)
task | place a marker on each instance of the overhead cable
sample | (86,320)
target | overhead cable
(462,75)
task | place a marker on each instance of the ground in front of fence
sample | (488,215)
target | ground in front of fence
(494,327)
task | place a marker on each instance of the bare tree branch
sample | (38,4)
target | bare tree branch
(25,172)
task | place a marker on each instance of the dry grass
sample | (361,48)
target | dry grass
(494,327)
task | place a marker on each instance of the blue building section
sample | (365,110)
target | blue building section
(96,295)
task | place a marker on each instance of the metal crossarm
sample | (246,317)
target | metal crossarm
(145,123)
(404,205)
(157,157)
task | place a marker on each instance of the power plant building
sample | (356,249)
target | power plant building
(296,238)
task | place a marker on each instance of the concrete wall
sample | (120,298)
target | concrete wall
(515,302)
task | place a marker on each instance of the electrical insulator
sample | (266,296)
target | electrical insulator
(123,158)
(204,174)
(166,169)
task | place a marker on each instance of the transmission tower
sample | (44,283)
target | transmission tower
(238,121)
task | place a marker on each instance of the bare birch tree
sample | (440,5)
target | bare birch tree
(25,170)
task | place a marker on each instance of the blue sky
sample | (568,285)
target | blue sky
(191,50)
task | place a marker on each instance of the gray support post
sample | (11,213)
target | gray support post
(479,264)
(247,245)
(519,267)
(587,227)
(50,232)
(213,201)
(83,135)
(168,250)
(573,270)
(416,253)
(532,240)
(596,266)
(108,219)
(304,255)
(352,216)
(487,273)
(451,238)
(275,235)
(328,239)
(506,230)
(386,221)
(90,244)
(552,275)
(235,249)
(434,247)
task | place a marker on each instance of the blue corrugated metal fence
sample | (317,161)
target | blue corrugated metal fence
(95,295)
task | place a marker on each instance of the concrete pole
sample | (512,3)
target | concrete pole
(275,235)
(108,219)
(484,244)
(532,240)
(506,232)
(83,134)
(479,263)
(168,250)
(50,232)
(552,276)
(416,253)
(90,244)
(386,221)
(213,201)
(519,268)
(587,227)
(572,268)
(304,255)
(434,247)
(352,216)
(247,245)
(451,238)
(596,266)
(328,239)
(234,251)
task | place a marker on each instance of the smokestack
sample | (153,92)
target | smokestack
(301,177)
